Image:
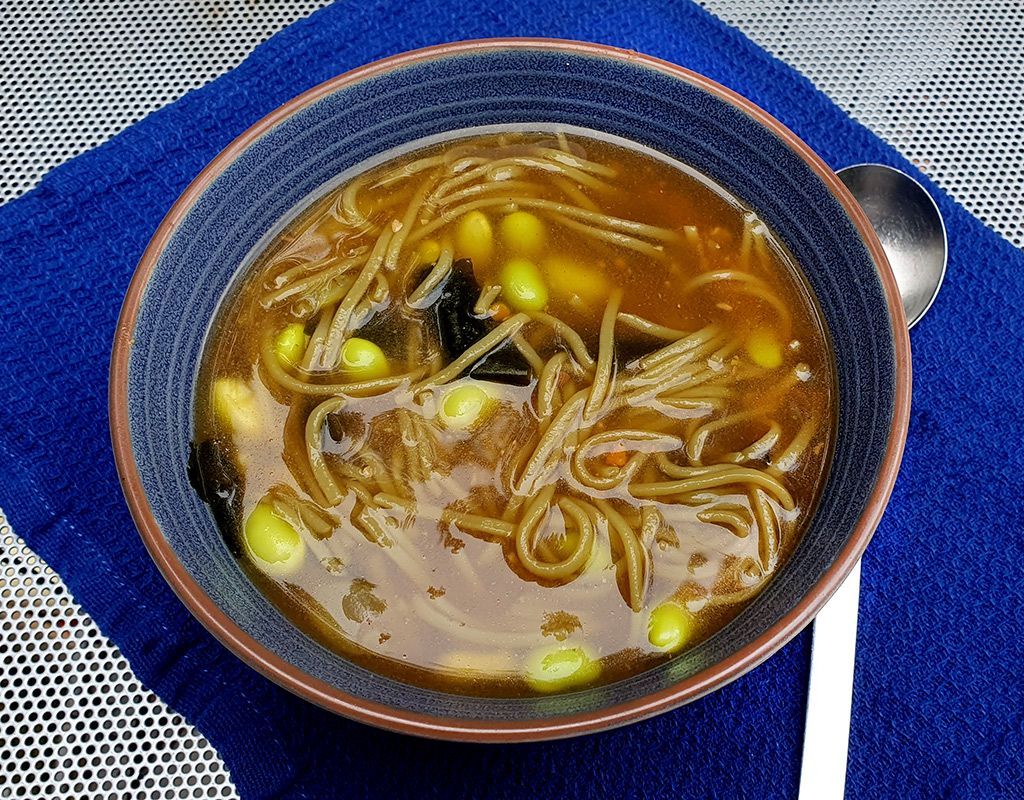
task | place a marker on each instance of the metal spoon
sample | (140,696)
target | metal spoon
(910,227)
(912,233)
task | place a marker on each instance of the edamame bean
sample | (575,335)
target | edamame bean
(430,251)
(764,349)
(571,282)
(465,405)
(558,669)
(669,627)
(290,344)
(522,286)
(474,239)
(523,233)
(362,360)
(234,404)
(271,539)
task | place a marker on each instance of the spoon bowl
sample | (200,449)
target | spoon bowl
(910,228)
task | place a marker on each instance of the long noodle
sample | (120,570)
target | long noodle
(528,352)
(677,348)
(605,358)
(487,296)
(441,270)
(616,238)
(768,530)
(477,523)
(737,475)
(533,516)
(552,438)
(280,375)
(314,434)
(734,517)
(651,328)
(331,352)
(750,284)
(547,385)
(571,338)
(641,441)
(331,269)
(634,554)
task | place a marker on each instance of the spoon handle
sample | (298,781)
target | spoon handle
(830,694)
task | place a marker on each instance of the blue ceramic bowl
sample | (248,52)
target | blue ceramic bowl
(212,232)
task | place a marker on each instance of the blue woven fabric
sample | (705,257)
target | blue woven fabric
(939,706)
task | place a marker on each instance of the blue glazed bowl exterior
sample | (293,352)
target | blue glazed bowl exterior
(211,234)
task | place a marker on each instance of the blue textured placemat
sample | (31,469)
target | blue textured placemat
(939,706)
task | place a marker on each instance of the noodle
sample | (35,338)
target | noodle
(610,237)
(605,356)
(768,539)
(281,377)
(331,352)
(736,475)
(547,385)
(654,442)
(552,438)
(487,297)
(651,328)
(314,433)
(571,338)
(635,556)
(524,347)
(533,516)
(729,515)
(686,345)
(317,281)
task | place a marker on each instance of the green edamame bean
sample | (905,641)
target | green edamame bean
(362,360)
(234,404)
(558,669)
(270,538)
(669,627)
(523,233)
(522,286)
(474,239)
(290,344)
(465,405)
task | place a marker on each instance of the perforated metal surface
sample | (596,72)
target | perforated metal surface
(942,81)
(75,722)
(74,74)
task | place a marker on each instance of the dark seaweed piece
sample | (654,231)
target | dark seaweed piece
(215,476)
(458,329)
(381,326)
(505,365)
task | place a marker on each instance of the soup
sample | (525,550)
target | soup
(515,414)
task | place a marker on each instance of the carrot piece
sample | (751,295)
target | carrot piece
(500,312)
(616,459)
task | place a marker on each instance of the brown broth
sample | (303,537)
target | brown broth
(435,604)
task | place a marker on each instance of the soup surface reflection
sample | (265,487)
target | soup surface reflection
(516,414)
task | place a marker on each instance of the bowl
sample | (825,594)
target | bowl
(210,234)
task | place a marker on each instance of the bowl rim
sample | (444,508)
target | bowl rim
(337,700)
